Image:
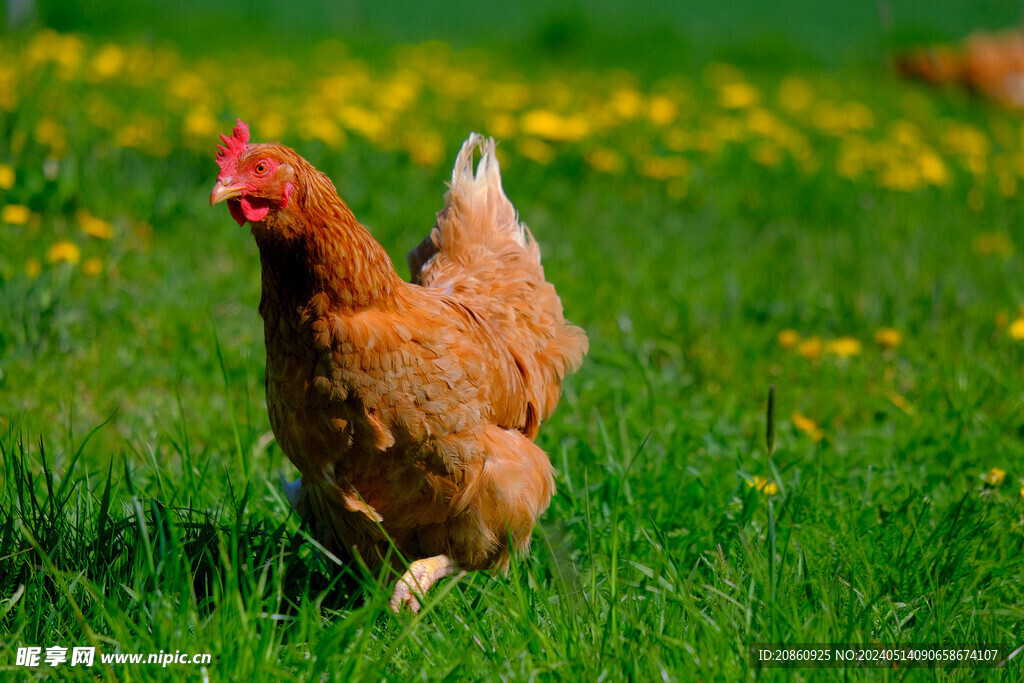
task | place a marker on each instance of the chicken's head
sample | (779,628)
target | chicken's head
(254,178)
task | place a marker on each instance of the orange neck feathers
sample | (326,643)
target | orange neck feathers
(317,246)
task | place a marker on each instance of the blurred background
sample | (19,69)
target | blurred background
(584,31)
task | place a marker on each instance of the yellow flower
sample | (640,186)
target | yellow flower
(810,348)
(51,133)
(663,168)
(323,129)
(1017,329)
(15,214)
(932,169)
(64,251)
(365,122)
(272,125)
(535,149)
(767,154)
(900,176)
(795,94)
(507,96)
(502,126)
(626,102)
(763,484)
(92,266)
(425,148)
(844,347)
(888,338)
(995,477)
(993,243)
(94,227)
(606,160)
(200,123)
(808,427)
(837,119)
(6,177)
(551,126)
(967,140)
(661,110)
(902,403)
(1007,185)
(33,267)
(788,338)
(738,96)
(1022,492)
(108,61)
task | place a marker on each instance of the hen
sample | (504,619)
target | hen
(990,63)
(409,409)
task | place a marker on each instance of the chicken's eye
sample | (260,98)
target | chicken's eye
(262,168)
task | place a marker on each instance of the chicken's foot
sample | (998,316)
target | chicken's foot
(417,581)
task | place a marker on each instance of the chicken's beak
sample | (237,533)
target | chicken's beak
(222,192)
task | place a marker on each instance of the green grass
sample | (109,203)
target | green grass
(140,509)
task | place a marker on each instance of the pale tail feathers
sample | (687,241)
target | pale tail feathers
(480,253)
(483,214)
(481,194)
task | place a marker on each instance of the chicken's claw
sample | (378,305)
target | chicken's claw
(417,581)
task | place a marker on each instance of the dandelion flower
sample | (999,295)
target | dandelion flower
(94,227)
(15,214)
(606,160)
(808,427)
(763,484)
(551,126)
(92,266)
(108,61)
(767,154)
(425,148)
(788,338)
(51,133)
(810,348)
(663,168)
(844,347)
(661,110)
(535,149)
(502,126)
(995,477)
(323,129)
(6,177)
(1007,185)
(1017,329)
(992,243)
(888,338)
(200,123)
(795,94)
(901,402)
(738,96)
(932,168)
(64,251)
(626,102)
(33,267)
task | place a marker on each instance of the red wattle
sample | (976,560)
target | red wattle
(236,211)
(254,209)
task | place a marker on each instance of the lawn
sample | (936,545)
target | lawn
(723,211)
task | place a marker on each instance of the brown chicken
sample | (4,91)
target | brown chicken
(409,409)
(990,63)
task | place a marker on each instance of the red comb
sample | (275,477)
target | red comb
(231,150)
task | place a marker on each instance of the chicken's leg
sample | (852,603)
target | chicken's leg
(417,581)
